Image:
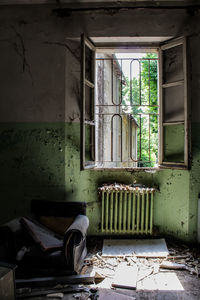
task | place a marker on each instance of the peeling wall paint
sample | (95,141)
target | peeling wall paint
(171,202)
(40,113)
(32,164)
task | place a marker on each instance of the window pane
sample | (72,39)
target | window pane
(89,104)
(88,64)
(173,64)
(173,104)
(89,143)
(174,143)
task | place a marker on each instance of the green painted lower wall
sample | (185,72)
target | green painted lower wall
(32,163)
(42,161)
(194,180)
(171,202)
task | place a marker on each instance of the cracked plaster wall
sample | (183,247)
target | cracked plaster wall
(40,110)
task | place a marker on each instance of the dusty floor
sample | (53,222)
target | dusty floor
(152,282)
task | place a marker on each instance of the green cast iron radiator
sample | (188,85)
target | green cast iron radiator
(126,209)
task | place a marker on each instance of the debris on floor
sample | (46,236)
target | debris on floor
(113,269)
(172,265)
(139,247)
(152,273)
(106,294)
(128,277)
(125,277)
(120,187)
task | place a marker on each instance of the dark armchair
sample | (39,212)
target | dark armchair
(54,237)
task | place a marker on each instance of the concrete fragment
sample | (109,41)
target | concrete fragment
(55,295)
(125,277)
(172,266)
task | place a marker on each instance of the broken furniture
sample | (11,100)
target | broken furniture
(44,250)
(7,281)
(25,293)
(74,241)
(54,280)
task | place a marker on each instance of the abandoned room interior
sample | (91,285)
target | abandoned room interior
(100,149)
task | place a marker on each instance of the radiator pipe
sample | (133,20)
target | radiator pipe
(151,220)
(111,212)
(138,212)
(133,211)
(107,199)
(129,211)
(120,212)
(124,212)
(147,213)
(116,207)
(142,212)
(102,212)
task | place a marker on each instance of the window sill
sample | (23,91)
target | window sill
(147,170)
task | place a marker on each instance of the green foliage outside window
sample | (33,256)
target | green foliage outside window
(145,116)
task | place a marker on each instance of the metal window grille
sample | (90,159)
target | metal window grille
(126,112)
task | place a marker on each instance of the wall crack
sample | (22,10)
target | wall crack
(21,52)
(67,47)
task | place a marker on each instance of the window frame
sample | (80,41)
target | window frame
(165,46)
(86,42)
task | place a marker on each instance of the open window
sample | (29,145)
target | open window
(87,104)
(173,104)
(134,106)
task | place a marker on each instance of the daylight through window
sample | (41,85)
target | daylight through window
(126,110)
(125,122)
